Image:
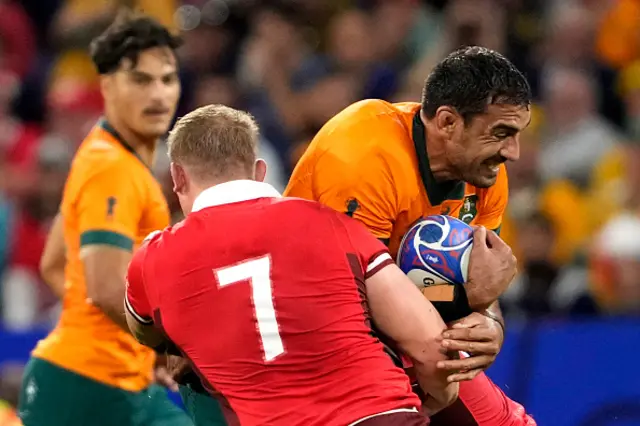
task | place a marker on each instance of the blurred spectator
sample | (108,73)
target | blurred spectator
(618,42)
(630,89)
(615,265)
(576,137)
(17,38)
(576,140)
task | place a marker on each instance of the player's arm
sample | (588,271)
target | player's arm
(136,303)
(109,209)
(52,262)
(490,217)
(399,310)
(491,269)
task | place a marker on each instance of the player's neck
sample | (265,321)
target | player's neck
(145,148)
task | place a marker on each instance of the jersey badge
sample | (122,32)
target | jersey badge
(352,206)
(469,209)
(111,205)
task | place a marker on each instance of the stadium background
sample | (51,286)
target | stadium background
(574,213)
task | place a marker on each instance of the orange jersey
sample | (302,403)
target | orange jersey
(110,198)
(370,161)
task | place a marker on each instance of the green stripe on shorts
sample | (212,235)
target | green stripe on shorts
(106,238)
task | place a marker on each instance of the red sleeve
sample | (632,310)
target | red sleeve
(373,254)
(136,300)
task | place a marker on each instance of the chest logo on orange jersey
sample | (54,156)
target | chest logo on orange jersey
(469,210)
(352,206)
(111,205)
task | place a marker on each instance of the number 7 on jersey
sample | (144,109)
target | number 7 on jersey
(258,273)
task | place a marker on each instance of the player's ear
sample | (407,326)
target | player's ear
(105,86)
(447,119)
(179,178)
(260,170)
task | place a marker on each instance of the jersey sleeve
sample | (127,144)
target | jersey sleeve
(109,208)
(495,203)
(372,253)
(358,184)
(136,300)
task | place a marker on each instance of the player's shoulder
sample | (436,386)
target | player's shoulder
(370,123)
(371,115)
(370,133)
(98,153)
(161,240)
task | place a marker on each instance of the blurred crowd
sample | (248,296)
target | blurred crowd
(574,211)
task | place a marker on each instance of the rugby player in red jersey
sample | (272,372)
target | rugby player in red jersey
(271,298)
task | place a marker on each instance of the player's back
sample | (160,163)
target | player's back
(266,297)
(85,340)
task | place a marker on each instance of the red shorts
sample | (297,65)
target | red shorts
(395,418)
(482,403)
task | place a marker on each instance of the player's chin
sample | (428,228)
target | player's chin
(155,129)
(483,180)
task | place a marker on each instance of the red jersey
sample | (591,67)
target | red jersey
(265,295)
(482,403)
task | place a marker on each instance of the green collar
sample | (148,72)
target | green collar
(107,127)
(436,191)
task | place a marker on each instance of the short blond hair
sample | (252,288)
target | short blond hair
(215,141)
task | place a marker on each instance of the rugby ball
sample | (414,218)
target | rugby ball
(435,251)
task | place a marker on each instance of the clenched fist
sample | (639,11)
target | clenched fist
(492,266)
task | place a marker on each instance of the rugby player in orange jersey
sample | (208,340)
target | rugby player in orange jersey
(388,165)
(90,370)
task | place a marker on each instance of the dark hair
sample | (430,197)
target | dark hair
(126,37)
(471,78)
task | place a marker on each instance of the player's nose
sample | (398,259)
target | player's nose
(511,148)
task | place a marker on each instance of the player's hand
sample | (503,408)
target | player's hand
(162,373)
(492,267)
(479,336)
(178,367)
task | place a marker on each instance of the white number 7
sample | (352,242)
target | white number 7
(258,272)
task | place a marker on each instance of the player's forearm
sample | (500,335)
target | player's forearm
(494,312)
(105,269)
(52,262)
(111,306)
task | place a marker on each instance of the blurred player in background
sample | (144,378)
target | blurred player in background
(280,331)
(90,370)
(389,165)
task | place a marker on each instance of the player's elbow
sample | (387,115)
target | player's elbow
(449,394)
(47,269)
(437,401)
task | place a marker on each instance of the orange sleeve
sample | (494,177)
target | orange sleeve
(357,183)
(109,208)
(495,203)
